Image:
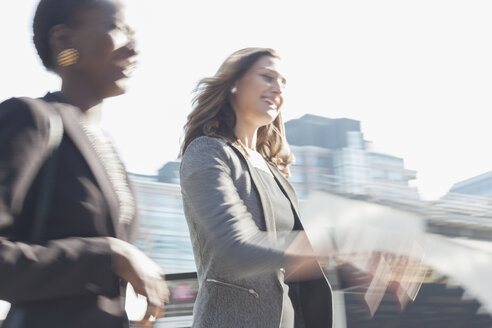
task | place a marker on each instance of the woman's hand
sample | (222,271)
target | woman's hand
(303,263)
(145,276)
(302,268)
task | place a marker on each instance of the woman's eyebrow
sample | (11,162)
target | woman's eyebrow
(284,81)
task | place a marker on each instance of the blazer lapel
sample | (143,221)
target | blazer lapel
(258,184)
(291,195)
(70,116)
(286,188)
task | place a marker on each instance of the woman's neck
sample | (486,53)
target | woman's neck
(246,135)
(84,99)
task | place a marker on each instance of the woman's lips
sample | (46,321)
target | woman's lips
(129,69)
(271,103)
(126,67)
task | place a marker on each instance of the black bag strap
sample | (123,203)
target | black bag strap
(44,194)
(43,198)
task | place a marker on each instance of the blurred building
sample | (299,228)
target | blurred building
(480,185)
(465,211)
(331,154)
(163,232)
(169,172)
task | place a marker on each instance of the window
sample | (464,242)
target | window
(322,161)
(395,176)
(297,177)
(299,159)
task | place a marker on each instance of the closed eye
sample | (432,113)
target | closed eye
(122,27)
(268,78)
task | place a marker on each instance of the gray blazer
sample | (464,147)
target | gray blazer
(238,253)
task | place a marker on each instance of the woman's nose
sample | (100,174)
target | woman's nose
(132,47)
(277,86)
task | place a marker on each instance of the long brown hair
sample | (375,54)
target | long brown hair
(213,115)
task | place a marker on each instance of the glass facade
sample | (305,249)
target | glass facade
(350,169)
(480,185)
(163,232)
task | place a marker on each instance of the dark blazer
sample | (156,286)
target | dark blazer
(238,252)
(66,280)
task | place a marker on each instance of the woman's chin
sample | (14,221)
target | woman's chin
(271,114)
(117,89)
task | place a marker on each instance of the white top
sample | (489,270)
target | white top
(258,161)
(114,168)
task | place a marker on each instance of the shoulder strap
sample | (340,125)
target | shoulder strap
(48,171)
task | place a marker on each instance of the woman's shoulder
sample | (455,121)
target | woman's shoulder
(206,145)
(20,104)
(209,141)
(24,110)
(207,150)
(27,122)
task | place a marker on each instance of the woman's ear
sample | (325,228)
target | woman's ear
(59,38)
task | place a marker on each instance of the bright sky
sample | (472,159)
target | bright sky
(417,74)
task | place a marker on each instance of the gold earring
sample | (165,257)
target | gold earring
(67,57)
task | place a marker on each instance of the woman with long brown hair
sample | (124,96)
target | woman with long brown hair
(255,265)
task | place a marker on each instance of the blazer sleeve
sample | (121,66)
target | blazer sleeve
(208,188)
(55,268)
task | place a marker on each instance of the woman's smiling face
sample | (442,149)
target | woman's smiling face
(106,48)
(258,94)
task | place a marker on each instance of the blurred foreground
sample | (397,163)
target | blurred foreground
(447,243)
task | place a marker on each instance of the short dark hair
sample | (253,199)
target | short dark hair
(48,14)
